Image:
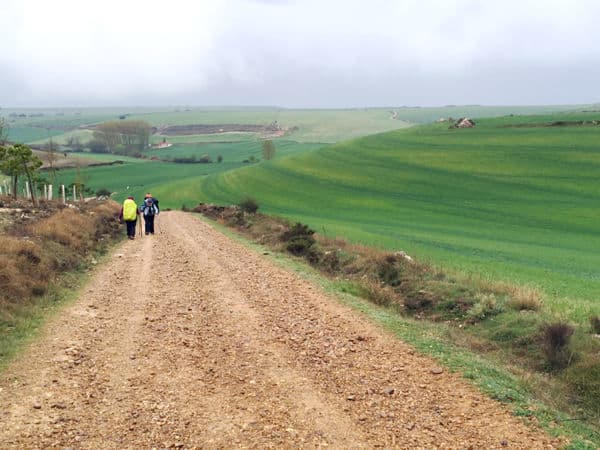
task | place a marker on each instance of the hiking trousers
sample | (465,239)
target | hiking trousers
(149,224)
(130,227)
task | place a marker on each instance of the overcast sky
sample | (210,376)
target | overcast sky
(298,53)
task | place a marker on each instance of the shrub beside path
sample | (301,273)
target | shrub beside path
(187,339)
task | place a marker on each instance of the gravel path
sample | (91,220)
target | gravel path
(186,339)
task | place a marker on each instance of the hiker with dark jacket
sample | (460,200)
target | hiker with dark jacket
(149,209)
(129,213)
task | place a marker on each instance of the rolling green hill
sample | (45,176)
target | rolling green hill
(511,199)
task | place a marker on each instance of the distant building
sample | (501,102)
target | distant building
(464,122)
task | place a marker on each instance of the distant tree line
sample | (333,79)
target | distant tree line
(122,137)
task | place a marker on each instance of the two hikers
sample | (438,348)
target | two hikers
(149,209)
(129,213)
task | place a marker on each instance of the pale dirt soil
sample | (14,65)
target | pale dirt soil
(186,339)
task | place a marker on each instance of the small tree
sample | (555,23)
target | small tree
(268,149)
(80,180)
(18,160)
(51,149)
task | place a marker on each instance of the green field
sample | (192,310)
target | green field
(509,200)
(137,176)
(30,134)
(35,126)
(519,204)
(234,151)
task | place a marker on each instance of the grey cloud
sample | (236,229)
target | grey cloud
(299,53)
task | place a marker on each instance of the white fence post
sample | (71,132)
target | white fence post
(27,190)
(74,193)
(49,192)
(62,190)
(46,191)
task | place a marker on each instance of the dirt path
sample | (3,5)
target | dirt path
(188,340)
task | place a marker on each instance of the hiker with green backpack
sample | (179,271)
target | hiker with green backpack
(129,213)
(149,210)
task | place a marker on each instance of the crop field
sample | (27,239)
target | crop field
(517,203)
(62,138)
(31,134)
(179,180)
(35,126)
(139,177)
(234,151)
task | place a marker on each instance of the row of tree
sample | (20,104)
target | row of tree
(125,137)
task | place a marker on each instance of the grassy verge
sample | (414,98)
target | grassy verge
(26,322)
(463,341)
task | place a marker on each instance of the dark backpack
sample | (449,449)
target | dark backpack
(149,208)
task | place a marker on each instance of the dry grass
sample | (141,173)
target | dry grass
(523,298)
(34,255)
(13,284)
(25,269)
(380,294)
(68,227)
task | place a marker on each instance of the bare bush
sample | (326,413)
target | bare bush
(389,270)
(555,344)
(249,205)
(299,239)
